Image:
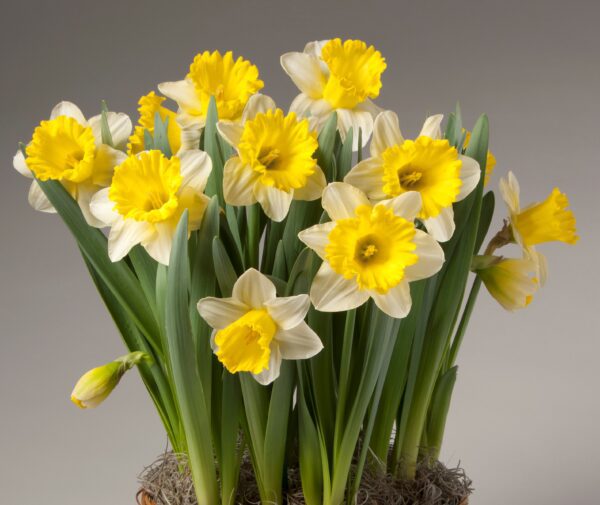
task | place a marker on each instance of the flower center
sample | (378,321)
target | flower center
(245,345)
(431,167)
(145,187)
(279,148)
(374,247)
(62,149)
(231,82)
(354,72)
(547,221)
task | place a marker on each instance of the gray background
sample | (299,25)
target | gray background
(524,421)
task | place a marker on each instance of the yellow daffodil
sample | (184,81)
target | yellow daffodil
(231,82)
(337,75)
(68,148)
(275,161)
(512,282)
(490,162)
(428,165)
(180,139)
(96,384)
(254,329)
(369,251)
(146,199)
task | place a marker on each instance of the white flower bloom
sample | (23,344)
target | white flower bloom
(254,329)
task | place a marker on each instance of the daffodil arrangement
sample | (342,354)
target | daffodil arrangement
(282,295)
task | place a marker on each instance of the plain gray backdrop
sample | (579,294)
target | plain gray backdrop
(525,416)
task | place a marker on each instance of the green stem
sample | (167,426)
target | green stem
(253,237)
(464,322)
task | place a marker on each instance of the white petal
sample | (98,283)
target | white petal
(195,166)
(315,185)
(124,234)
(368,177)
(432,127)
(386,132)
(302,105)
(38,199)
(190,137)
(238,182)
(306,72)
(540,262)
(509,188)
(300,342)
(431,258)
(396,302)
(103,208)
(159,244)
(355,119)
(317,237)
(190,121)
(331,292)
(257,104)
(406,205)
(85,193)
(470,172)
(231,132)
(254,289)
(105,161)
(441,227)
(267,376)
(275,202)
(340,200)
(315,47)
(68,109)
(20,165)
(221,312)
(119,125)
(289,311)
(184,93)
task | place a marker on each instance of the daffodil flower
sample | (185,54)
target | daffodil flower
(146,199)
(231,82)
(254,329)
(512,282)
(180,139)
(275,161)
(428,165)
(369,251)
(68,148)
(337,76)
(547,221)
(490,162)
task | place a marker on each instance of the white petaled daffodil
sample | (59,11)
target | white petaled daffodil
(274,162)
(254,329)
(341,76)
(369,251)
(511,281)
(147,196)
(546,221)
(68,148)
(428,165)
(180,139)
(231,82)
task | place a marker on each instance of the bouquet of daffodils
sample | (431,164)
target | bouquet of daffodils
(288,296)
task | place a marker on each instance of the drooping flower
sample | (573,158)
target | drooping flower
(95,385)
(146,199)
(369,251)
(512,282)
(490,162)
(428,165)
(254,329)
(275,161)
(231,82)
(68,148)
(179,139)
(336,75)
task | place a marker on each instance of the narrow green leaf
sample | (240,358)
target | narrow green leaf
(161,136)
(104,127)
(148,140)
(224,270)
(211,146)
(324,152)
(345,159)
(145,270)
(438,412)
(487,212)
(310,460)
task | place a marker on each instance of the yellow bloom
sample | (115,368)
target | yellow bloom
(146,199)
(96,384)
(231,82)
(512,282)
(254,329)
(428,165)
(68,148)
(369,251)
(275,160)
(337,75)
(490,162)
